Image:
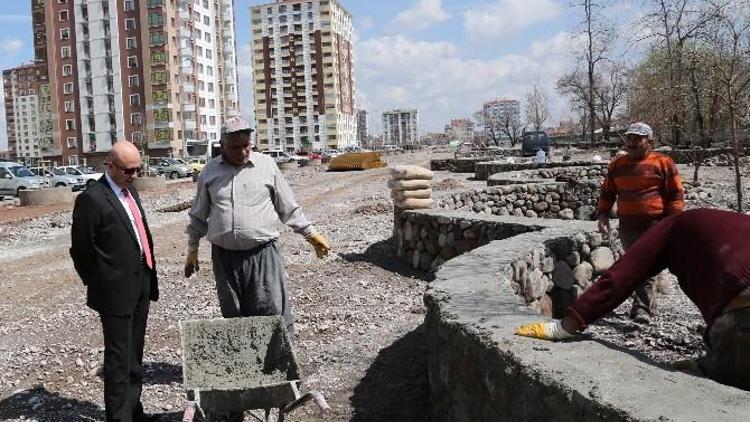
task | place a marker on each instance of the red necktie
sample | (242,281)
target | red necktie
(141,228)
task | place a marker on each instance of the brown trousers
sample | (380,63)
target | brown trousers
(644,296)
(728,349)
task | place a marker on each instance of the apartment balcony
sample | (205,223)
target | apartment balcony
(183,33)
(159,145)
(188,107)
(188,88)
(183,15)
(189,124)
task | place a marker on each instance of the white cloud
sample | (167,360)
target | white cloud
(506,18)
(421,16)
(11,47)
(366,23)
(434,77)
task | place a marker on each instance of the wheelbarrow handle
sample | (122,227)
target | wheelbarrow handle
(316,397)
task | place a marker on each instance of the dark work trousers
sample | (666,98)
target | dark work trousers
(727,341)
(123,358)
(644,296)
(251,283)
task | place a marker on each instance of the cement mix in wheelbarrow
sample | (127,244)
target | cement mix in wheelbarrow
(236,353)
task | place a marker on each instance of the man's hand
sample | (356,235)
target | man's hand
(191,263)
(320,244)
(544,330)
(603,223)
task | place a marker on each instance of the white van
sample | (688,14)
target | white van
(15,177)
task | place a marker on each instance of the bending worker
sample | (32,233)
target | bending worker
(240,197)
(647,188)
(709,252)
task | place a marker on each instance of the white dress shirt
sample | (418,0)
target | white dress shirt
(124,201)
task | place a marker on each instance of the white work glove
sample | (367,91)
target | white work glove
(544,330)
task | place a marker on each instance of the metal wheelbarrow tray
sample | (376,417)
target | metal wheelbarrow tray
(238,364)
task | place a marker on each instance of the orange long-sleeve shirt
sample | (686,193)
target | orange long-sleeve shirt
(646,190)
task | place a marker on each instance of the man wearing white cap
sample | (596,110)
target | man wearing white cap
(241,196)
(647,188)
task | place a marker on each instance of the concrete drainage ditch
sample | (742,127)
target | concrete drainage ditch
(501,272)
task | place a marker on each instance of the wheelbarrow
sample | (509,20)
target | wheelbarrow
(236,364)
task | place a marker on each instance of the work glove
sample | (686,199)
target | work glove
(320,243)
(191,263)
(544,330)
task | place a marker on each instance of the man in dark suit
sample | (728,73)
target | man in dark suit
(112,252)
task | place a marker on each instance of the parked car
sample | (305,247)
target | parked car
(196,163)
(171,167)
(309,155)
(15,177)
(88,173)
(56,177)
(531,142)
(282,156)
(330,153)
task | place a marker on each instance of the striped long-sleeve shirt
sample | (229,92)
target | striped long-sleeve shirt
(646,190)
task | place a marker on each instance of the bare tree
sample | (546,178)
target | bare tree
(490,124)
(537,107)
(598,35)
(729,39)
(511,126)
(610,95)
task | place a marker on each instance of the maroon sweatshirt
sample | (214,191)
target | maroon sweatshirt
(708,250)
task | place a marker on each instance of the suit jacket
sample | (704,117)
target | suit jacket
(105,250)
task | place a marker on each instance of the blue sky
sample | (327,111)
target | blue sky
(444,57)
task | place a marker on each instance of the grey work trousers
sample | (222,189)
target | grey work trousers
(251,283)
(728,349)
(644,296)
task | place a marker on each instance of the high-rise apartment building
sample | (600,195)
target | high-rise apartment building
(401,127)
(461,130)
(502,107)
(159,73)
(302,58)
(362,127)
(25,112)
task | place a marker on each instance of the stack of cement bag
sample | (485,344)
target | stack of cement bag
(411,187)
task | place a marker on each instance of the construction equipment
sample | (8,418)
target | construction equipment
(356,161)
(236,364)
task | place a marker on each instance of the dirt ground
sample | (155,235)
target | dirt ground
(357,312)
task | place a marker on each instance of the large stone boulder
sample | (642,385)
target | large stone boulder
(601,259)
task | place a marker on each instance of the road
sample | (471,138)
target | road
(357,312)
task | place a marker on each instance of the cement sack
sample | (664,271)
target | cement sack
(409,172)
(409,184)
(400,195)
(414,204)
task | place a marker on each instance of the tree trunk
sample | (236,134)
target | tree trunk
(736,153)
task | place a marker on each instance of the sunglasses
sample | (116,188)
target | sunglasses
(128,171)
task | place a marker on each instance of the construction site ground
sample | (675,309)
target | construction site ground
(358,312)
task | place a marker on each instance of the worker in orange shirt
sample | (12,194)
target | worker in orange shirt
(647,187)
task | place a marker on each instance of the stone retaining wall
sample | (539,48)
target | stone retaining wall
(596,171)
(483,170)
(480,371)
(563,200)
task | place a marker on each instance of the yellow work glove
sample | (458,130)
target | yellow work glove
(544,330)
(320,244)
(191,263)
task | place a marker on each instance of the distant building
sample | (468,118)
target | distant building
(361,127)
(401,127)
(461,130)
(161,74)
(26,115)
(303,63)
(502,107)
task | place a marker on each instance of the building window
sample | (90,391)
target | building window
(133,80)
(63,16)
(130,24)
(155,3)
(210,87)
(159,96)
(70,124)
(159,77)
(135,118)
(208,37)
(158,57)
(67,70)
(155,19)
(130,42)
(71,142)
(129,5)
(132,62)
(206,21)
(157,38)
(72,160)
(69,107)
(64,52)
(135,100)
(68,88)
(65,34)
